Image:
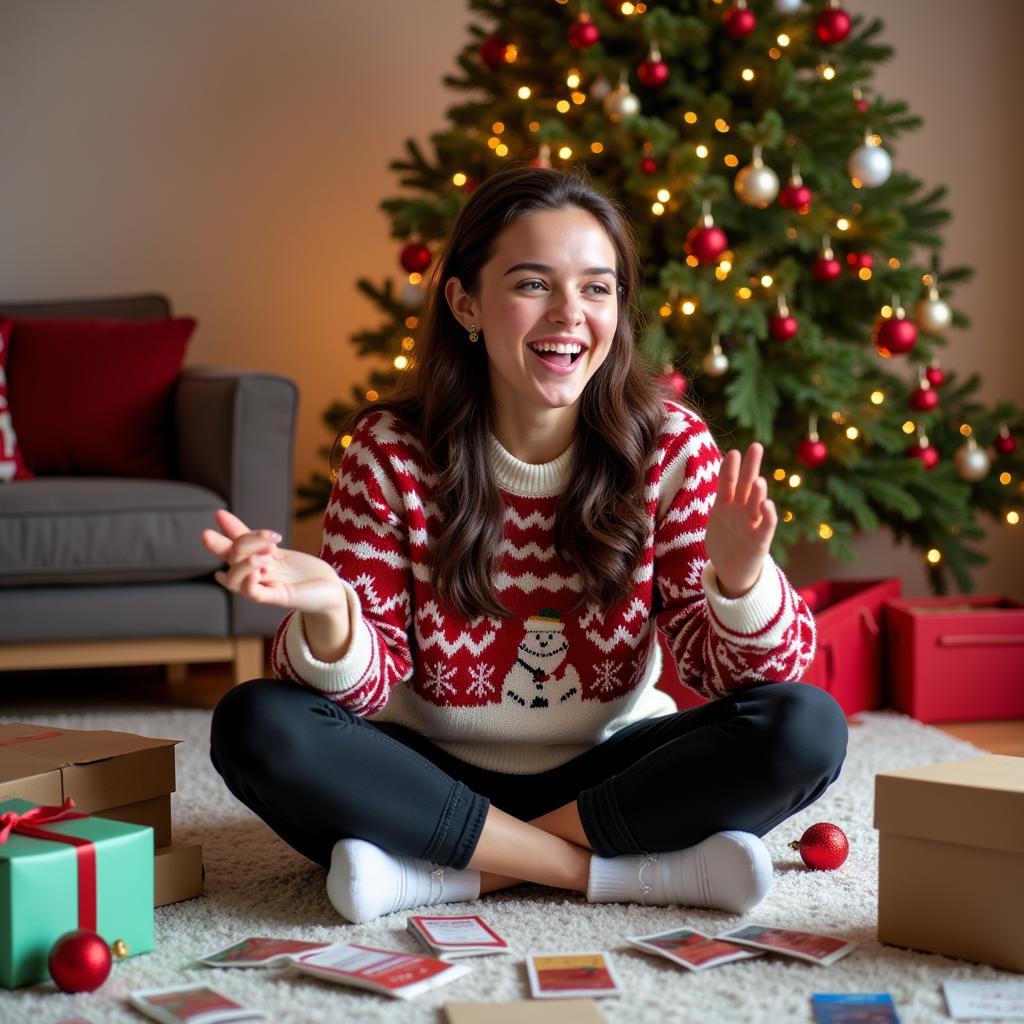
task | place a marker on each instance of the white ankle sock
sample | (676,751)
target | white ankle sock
(365,882)
(727,871)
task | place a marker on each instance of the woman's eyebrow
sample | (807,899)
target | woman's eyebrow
(545,269)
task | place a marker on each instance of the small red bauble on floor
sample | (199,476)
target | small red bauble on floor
(823,847)
(80,961)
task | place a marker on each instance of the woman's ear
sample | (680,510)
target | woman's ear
(460,302)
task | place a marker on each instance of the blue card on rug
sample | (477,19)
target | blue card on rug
(985,1000)
(854,1008)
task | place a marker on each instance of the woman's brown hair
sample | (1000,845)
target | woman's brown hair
(601,522)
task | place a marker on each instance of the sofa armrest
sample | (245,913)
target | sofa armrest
(234,435)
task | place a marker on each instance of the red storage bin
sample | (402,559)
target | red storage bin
(850,659)
(956,659)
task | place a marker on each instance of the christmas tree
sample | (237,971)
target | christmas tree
(793,280)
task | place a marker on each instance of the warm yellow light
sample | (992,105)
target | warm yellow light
(852,433)
(501,150)
(534,126)
(747,74)
(664,195)
(573,79)
(787,516)
(827,72)
(597,147)
(927,280)
(627,8)
(578,98)
(726,265)
(876,140)
(701,151)
(877,397)
(843,224)
(498,127)
(411,322)
(657,209)
(511,53)
(688,308)
(1013,517)
(909,426)
(565,152)
(494,142)
(779,474)
(692,261)
(665,309)
(690,117)
(721,273)
(562,106)
(767,280)
(1005,478)
(458,179)
(371,395)
(837,416)
(730,160)
(415,277)
(774,52)
(856,183)
(894,263)
(743,292)
(408,344)
(401,362)
(864,273)
(824,531)
(783,39)
(523,92)
(795,481)
(721,125)
(965,429)
(934,556)
(346,440)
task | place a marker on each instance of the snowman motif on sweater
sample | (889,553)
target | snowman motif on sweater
(540,679)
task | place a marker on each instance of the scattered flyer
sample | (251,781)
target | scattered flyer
(386,971)
(854,1008)
(450,938)
(571,974)
(191,1004)
(985,1000)
(824,950)
(691,949)
(259,952)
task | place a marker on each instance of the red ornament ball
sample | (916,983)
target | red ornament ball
(861,105)
(676,381)
(811,454)
(927,456)
(1006,444)
(415,257)
(739,21)
(893,337)
(859,261)
(80,961)
(493,50)
(826,268)
(583,33)
(782,328)
(823,847)
(653,73)
(935,376)
(832,25)
(924,399)
(795,197)
(648,165)
(706,243)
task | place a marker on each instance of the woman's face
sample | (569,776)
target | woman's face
(552,279)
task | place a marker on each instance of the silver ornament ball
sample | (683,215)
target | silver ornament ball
(972,463)
(757,185)
(933,316)
(787,6)
(621,103)
(870,165)
(715,363)
(412,295)
(600,88)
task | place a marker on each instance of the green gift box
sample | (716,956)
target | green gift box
(52,886)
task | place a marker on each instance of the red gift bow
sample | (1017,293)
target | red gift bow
(27,824)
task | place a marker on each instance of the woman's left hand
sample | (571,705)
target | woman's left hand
(742,522)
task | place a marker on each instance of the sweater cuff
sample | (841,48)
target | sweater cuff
(755,612)
(333,677)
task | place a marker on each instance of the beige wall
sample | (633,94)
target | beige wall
(233,154)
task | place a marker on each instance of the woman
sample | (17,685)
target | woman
(476,648)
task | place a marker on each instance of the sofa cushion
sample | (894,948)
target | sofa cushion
(12,465)
(93,396)
(104,530)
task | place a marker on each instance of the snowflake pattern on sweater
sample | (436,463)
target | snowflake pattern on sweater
(527,693)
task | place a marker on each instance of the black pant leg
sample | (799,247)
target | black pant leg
(315,773)
(746,762)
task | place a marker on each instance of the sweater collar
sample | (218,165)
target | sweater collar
(528,478)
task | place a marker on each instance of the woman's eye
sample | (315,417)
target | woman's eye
(601,289)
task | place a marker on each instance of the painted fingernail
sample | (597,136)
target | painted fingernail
(276,537)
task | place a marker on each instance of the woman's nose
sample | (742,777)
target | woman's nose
(566,308)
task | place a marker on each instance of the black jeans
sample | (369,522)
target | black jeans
(316,773)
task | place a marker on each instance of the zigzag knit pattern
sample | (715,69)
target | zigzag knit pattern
(527,693)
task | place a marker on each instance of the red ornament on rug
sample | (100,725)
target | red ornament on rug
(493,50)
(80,961)
(832,25)
(823,847)
(583,33)
(739,20)
(415,257)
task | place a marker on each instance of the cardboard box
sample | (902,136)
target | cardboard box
(98,769)
(956,659)
(178,873)
(156,813)
(43,882)
(951,859)
(850,659)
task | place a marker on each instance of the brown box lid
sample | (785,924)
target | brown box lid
(976,802)
(96,768)
(178,873)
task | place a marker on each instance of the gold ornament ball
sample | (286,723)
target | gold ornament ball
(933,316)
(716,364)
(757,185)
(120,949)
(972,463)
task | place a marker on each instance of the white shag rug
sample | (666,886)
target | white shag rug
(256,885)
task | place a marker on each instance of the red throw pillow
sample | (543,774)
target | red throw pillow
(93,397)
(12,465)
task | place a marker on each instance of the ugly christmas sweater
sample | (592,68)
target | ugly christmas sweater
(527,693)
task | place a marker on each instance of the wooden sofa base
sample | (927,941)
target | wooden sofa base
(245,654)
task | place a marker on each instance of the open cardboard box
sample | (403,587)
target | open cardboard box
(178,873)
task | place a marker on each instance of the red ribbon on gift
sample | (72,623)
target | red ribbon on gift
(29,824)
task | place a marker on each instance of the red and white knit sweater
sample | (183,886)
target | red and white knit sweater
(526,694)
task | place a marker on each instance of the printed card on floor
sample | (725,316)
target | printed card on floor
(985,1000)
(191,1004)
(813,947)
(691,949)
(571,974)
(451,938)
(259,952)
(854,1008)
(386,971)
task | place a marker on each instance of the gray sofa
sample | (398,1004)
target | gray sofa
(109,571)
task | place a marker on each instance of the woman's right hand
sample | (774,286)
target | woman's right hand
(263,572)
